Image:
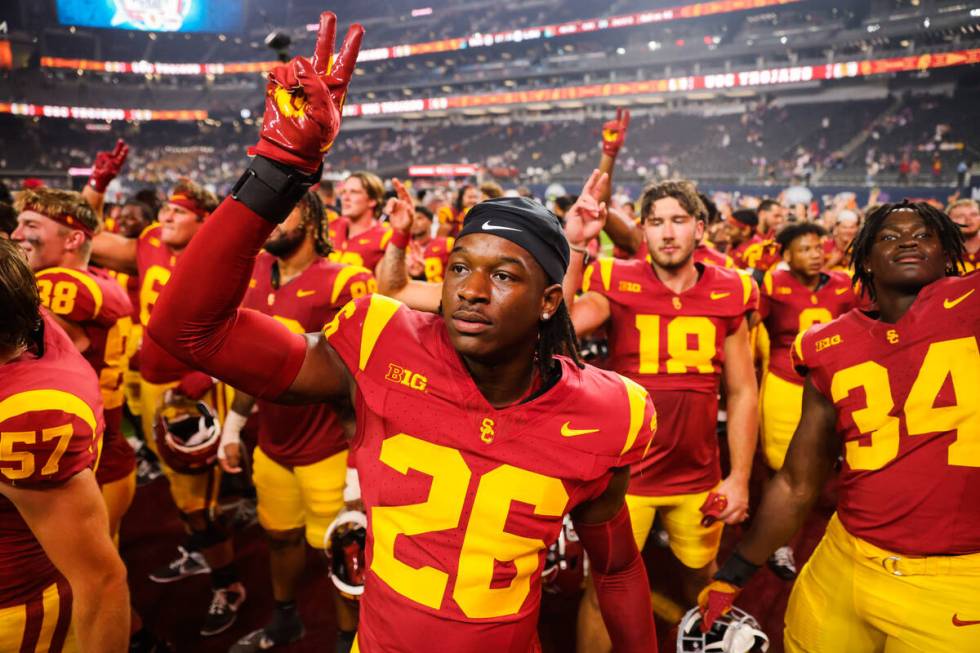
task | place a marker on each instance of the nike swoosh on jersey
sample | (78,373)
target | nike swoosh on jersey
(841,291)
(950,303)
(568,432)
(719,295)
(492,227)
(959,623)
(305,293)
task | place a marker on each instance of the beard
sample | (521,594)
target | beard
(286,243)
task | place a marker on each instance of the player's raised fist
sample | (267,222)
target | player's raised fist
(107,166)
(614,132)
(304,99)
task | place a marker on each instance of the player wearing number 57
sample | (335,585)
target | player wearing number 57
(477,429)
(893,392)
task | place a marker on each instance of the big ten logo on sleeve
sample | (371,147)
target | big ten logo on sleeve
(406,377)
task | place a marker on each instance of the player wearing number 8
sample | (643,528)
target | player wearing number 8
(54,229)
(465,471)
(894,392)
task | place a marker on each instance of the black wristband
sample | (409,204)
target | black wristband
(736,570)
(272,189)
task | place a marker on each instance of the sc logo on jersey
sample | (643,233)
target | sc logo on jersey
(407,378)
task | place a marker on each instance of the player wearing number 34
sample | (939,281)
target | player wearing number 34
(474,437)
(894,392)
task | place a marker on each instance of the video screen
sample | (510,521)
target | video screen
(153,15)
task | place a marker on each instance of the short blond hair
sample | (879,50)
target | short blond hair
(205,199)
(491,189)
(374,187)
(966,201)
(55,203)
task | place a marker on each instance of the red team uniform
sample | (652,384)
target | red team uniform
(50,430)
(759,254)
(673,346)
(739,252)
(364,250)
(101,308)
(711,256)
(788,308)
(905,545)
(436,257)
(301,457)
(464,498)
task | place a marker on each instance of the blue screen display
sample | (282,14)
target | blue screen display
(154,15)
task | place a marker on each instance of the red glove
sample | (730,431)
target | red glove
(304,99)
(107,165)
(195,385)
(712,508)
(614,133)
(716,600)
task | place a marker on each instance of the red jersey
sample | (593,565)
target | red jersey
(832,252)
(673,345)
(971,262)
(100,307)
(761,255)
(789,308)
(50,430)
(462,498)
(364,250)
(303,435)
(711,256)
(155,262)
(436,256)
(738,252)
(907,412)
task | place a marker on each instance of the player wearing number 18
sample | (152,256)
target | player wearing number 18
(894,392)
(474,436)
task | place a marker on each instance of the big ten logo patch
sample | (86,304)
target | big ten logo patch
(406,377)
(830,341)
(630,286)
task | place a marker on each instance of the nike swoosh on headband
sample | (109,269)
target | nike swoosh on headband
(492,227)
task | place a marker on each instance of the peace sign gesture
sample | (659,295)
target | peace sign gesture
(107,166)
(304,99)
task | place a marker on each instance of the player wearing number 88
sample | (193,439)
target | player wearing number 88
(466,476)
(894,392)
(54,229)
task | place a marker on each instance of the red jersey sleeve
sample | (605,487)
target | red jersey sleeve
(355,330)
(71,294)
(807,352)
(642,426)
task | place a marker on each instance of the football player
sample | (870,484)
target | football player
(772,217)
(153,257)
(55,229)
(791,301)
(435,251)
(360,236)
(300,464)
(474,436)
(53,523)
(741,227)
(451,221)
(893,391)
(966,214)
(677,328)
(845,227)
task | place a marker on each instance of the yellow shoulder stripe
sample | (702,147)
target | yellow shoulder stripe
(767,282)
(37,400)
(83,279)
(637,397)
(605,272)
(148,228)
(798,346)
(746,286)
(385,237)
(379,313)
(343,276)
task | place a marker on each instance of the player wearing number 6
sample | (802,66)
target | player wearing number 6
(893,392)
(53,523)
(55,229)
(676,327)
(474,436)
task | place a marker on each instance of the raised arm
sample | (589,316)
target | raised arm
(105,168)
(392,273)
(787,500)
(618,227)
(114,252)
(583,222)
(197,317)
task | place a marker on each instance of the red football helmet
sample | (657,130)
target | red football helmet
(344,545)
(187,434)
(566,563)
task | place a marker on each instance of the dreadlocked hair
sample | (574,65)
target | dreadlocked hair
(556,337)
(315,217)
(949,237)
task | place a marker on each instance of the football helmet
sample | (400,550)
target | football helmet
(187,434)
(344,545)
(566,563)
(734,632)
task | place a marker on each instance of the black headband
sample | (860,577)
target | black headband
(526,223)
